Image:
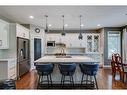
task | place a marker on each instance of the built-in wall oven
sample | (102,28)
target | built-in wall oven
(50,43)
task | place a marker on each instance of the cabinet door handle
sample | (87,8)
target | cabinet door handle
(0,42)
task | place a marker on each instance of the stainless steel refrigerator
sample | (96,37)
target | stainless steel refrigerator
(23,56)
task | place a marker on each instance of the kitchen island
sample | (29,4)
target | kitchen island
(56,76)
(64,59)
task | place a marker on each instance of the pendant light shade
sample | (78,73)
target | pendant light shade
(46,30)
(63,31)
(80,37)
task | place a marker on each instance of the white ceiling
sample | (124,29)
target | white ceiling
(107,16)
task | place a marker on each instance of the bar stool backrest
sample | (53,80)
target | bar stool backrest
(89,69)
(67,68)
(46,68)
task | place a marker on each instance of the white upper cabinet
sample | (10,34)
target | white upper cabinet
(93,43)
(53,37)
(4,34)
(71,40)
(22,32)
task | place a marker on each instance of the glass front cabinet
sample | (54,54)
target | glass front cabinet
(92,43)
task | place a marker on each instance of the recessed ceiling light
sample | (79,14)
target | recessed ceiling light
(32,17)
(98,25)
(66,25)
(82,25)
(49,25)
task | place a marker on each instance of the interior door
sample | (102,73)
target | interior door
(37,48)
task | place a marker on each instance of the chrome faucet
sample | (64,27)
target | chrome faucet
(62,51)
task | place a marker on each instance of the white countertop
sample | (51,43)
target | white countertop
(73,59)
(7,59)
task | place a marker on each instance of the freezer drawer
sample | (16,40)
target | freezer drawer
(24,67)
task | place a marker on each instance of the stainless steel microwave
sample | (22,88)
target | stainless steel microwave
(50,43)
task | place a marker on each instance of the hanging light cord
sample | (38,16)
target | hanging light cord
(63,32)
(63,22)
(80,23)
(46,22)
(80,37)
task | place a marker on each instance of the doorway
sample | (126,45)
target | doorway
(37,48)
(113,40)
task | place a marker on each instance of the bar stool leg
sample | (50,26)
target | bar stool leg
(123,77)
(62,80)
(41,78)
(86,79)
(38,82)
(96,81)
(82,79)
(126,77)
(72,80)
(50,79)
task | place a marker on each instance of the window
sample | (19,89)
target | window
(113,43)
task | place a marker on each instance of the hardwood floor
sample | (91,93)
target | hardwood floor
(104,79)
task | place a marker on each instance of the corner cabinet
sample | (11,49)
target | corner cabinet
(22,32)
(92,43)
(4,34)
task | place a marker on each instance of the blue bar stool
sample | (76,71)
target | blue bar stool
(67,69)
(44,70)
(89,69)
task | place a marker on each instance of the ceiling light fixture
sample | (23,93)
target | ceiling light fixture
(31,17)
(82,25)
(80,37)
(66,25)
(49,25)
(63,32)
(46,30)
(98,25)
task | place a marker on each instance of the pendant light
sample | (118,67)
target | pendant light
(46,30)
(63,31)
(80,37)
